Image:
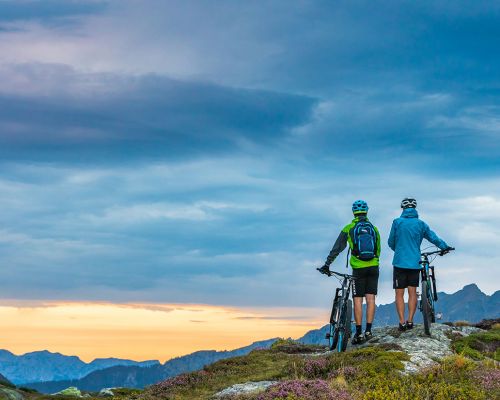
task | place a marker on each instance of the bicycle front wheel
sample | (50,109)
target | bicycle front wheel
(333,337)
(347,326)
(333,334)
(426,308)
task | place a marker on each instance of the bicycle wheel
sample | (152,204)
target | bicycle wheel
(426,308)
(339,331)
(430,296)
(333,333)
(347,325)
(434,290)
(333,336)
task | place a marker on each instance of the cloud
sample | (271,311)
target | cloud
(109,116)
(207,236)
(47,10)
(352,46)
(186,152)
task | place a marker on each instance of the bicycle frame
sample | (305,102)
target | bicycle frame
(429,297)
(340,317)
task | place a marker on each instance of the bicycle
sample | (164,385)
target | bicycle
(340,318)
(429,293)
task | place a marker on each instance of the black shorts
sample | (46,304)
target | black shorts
(404,277)
(366,282)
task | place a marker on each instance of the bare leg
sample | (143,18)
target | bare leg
(400,305)
(358,310)
(370,308)
(412,302)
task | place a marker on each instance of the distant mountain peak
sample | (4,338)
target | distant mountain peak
(471,288)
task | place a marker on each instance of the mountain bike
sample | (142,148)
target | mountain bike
(429,293)
(340,318)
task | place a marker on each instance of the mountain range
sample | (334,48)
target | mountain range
(134,376)
(47,366)
(468,304)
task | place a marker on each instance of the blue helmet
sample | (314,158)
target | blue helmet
(359,207)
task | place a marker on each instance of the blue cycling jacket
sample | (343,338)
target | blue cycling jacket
(406,236)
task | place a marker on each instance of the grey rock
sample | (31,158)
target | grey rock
(71,391)
(244,388)
(106,392)
(424,351)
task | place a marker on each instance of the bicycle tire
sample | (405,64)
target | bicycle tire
(426,308)
(434,289)
(347,325)
(333,335)
(333,338)
(339,332)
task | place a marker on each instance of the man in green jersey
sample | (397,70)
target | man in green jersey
(364,242)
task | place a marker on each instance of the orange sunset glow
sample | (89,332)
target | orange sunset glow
(144,331)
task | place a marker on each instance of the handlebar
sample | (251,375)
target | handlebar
(330,273)
(440,252)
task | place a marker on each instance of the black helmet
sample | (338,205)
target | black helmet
(409,203)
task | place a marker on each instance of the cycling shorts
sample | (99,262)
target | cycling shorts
(404,277)
(366,281)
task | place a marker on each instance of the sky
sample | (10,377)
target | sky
(192,154)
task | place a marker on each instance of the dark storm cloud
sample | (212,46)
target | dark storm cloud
(151,115)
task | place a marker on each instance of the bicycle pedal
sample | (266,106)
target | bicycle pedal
(439,315)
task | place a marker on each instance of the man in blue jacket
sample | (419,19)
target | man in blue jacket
(407,233)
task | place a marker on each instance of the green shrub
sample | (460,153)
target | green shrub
(479,345)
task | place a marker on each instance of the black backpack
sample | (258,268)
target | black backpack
(364,241)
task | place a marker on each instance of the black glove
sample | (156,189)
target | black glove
(325,269)
(447,250)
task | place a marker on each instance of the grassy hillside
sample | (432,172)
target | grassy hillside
(373,373)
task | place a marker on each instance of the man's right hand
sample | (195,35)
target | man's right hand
(325,269)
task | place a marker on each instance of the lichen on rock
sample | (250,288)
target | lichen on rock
(71,391)
(424,351)
(244,388)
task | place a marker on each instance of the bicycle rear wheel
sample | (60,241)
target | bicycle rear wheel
(425,306)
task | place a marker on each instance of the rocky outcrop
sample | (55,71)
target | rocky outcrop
(71,391)
(423,350)
(243,388)
(106,392)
